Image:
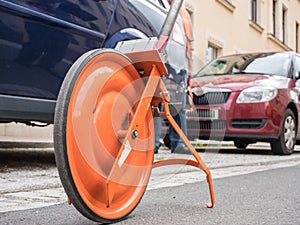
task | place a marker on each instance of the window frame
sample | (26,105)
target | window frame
(254,11)
(274,17)
(297,37)
(284,24)
(215,53)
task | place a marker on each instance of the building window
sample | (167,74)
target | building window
(255,15)
(297,38)
(212,52)
(254,11)
(284,25)
(274,17)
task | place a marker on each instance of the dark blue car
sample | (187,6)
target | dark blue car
(40,40)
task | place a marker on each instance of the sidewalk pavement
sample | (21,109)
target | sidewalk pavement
(25,142)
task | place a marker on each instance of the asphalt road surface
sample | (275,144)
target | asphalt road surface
(267,197)
(251,187)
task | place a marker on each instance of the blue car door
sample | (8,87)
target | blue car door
(40,40)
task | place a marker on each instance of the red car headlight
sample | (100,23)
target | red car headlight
(257,94)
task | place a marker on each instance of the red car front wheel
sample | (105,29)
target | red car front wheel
(285,144)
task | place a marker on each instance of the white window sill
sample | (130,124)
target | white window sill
(228,5)
(256,26)
(278,42)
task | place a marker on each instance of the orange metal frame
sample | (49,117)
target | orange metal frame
(152,66)
(124,155)
(195,163)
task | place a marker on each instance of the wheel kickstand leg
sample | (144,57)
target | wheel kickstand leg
(198,163)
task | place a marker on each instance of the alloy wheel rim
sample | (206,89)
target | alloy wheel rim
(289,132)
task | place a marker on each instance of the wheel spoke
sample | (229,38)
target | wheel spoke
(286,136)
(289,144)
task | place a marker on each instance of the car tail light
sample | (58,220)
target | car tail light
(178,35)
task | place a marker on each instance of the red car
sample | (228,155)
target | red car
(247,98)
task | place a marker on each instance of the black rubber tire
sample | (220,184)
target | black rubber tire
(240,144)
(285,145)
(60,146)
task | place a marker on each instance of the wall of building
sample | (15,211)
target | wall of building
(228,26)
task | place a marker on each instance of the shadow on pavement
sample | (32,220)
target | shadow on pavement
(26,158)
(44,157)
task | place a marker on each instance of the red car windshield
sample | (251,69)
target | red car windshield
(268,63)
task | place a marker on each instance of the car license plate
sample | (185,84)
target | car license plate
(211,114)
(208,114)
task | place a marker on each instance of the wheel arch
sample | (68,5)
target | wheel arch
(123,35)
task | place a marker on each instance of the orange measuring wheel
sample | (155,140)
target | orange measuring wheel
(103,163)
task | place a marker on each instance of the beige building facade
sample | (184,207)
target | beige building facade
(232,26)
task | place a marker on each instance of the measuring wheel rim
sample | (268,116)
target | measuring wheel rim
(102,102)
